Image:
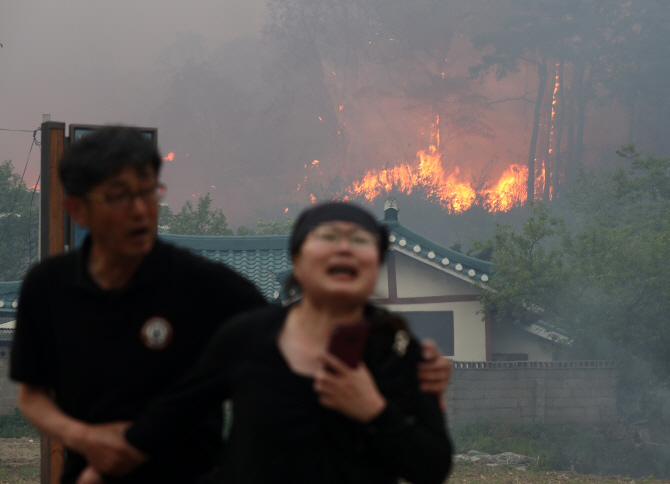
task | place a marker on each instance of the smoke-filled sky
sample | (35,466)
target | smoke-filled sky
(100,62)
(199,72)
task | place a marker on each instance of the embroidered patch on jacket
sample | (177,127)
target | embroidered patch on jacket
(401,342)
(156,333)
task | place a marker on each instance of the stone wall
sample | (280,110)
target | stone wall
(559,392)
(551,392)
(8,388)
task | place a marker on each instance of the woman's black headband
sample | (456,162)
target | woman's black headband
(329,211)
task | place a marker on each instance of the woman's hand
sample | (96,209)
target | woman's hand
(350,391)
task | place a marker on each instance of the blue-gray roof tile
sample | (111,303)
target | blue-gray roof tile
(259,259)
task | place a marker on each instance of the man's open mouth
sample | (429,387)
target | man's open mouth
(139,232)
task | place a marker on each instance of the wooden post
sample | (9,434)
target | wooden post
(51,243)
(487,329)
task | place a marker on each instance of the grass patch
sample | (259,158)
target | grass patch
(586,451)
(462,474)
(15,425)
(21,475)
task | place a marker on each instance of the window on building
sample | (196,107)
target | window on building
(436,325)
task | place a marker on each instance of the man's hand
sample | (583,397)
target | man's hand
(435,371)
(106,449)
(90,476)
(104,445)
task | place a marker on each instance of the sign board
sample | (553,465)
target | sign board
(77,131)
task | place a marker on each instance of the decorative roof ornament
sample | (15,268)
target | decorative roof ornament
(391,209)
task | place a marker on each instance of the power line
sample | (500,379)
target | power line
(18,130)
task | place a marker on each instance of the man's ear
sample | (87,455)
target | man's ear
(78,209)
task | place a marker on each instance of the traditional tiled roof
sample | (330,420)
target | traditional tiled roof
(265,260)
(416,246)
(9,295)
(7,318)
(261,259)
(6,336)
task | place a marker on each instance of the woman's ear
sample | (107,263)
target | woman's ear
(78,209)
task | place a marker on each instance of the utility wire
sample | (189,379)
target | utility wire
(18,130)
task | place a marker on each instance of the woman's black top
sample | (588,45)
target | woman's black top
(281,434)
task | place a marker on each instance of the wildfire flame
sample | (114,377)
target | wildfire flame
(169,157)
(453,194)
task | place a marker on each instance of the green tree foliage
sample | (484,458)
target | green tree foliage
(528,267)
(607,279)
(269,227)
(201,221)
(205,221)
(165,216)
(19,221)
(274,227)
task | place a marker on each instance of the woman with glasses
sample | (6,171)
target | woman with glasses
(301,414)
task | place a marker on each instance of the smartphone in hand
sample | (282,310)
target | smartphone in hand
(348,342)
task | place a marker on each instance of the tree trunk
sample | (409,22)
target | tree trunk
(582,101)
(542,84)
(631,126)
(546,155)
(555,178)
(570,143)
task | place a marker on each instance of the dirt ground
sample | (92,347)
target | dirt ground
(19,461)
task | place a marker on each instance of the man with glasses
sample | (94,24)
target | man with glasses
(102,330)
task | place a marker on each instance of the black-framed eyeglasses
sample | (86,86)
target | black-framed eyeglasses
(357,238)
(124,200)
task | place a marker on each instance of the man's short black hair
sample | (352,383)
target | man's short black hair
(103,153)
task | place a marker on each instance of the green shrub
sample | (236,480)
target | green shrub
(15,425)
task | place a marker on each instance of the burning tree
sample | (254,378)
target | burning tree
(374,74)
(582,49)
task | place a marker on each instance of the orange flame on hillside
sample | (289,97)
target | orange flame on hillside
(169,157)
(453,194)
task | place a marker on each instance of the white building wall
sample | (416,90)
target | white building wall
(382,287)
(469,329)
(418,279)
(506,338)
